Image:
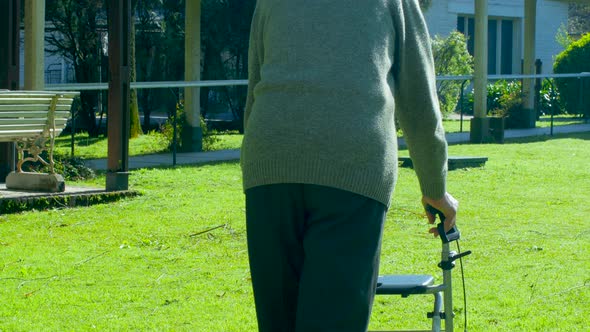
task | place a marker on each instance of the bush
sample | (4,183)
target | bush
(504,99)
(451,58)
(502,95)
(550,99)
(209,137)
(70,168)
(575,59)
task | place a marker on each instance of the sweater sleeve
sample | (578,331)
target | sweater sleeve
(417,107)
(255,60)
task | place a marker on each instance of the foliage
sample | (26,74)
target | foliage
(71,168)
(75,33)
(503,94)
(224,44)
(550,99)
(504,99)
(159,51)
(563,37)
(451,58)
(209,138)
(575,59)
(579,19)
(226,30)
(78,33)
(134,125)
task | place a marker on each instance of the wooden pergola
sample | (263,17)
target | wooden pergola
(119,28)
(119,31)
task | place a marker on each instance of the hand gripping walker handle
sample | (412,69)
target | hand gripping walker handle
(452,235)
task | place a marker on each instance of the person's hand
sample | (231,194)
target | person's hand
(448,205)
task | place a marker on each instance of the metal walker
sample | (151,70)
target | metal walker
(406,285)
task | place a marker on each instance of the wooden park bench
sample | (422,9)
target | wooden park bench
(32,120)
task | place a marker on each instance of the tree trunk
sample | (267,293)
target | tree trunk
(134,121)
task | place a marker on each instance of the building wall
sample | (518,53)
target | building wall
(57,69)
(439,19)
(442,19)
(550,16)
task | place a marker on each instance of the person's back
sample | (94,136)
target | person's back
(324,102)
(320,147)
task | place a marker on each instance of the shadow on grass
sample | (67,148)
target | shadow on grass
(179,166)
(197,165)
(561,119)
(534,139)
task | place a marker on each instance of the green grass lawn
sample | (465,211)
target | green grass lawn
(454,126)
(92,148)
(96,147)
(149,263)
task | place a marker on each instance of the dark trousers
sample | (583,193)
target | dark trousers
(314,257)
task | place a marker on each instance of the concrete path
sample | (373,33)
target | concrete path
(165,159)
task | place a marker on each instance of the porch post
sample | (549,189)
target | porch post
(530,23)
(480,123)
(192,133)
(9,69)
(119,28)
(34,45)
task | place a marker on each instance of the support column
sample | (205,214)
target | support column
(34,45)
(119,27)
(530,29)
(192,133)
(9,69)
(480,123)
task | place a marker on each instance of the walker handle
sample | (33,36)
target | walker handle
(452,235)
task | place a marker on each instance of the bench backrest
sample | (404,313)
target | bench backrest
(30,113)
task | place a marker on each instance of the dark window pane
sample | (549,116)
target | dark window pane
(461,24)
(507,46)
(492,45)
(471,34)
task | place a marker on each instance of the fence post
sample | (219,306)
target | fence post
(119,25)
(461,104)
(538,86)
(9,70)
(584,111)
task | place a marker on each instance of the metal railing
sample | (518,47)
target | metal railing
(222,83)
(466,78)
(144,85)
(147,85)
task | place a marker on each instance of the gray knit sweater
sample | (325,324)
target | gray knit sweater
(325,77)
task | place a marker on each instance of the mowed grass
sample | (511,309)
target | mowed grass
(154,142)
(154,262)
(96,147)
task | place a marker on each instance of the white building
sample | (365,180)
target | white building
(505,30)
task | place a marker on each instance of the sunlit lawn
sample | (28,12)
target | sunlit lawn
(150,263)
(154,142)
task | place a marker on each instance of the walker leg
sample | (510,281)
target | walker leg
(436,319)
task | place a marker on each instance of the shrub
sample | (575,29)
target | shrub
(209,137)
(575,59)
(504,99)
(70,168)
(550,99)
(450,58)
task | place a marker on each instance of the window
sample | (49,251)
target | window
(500,42)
